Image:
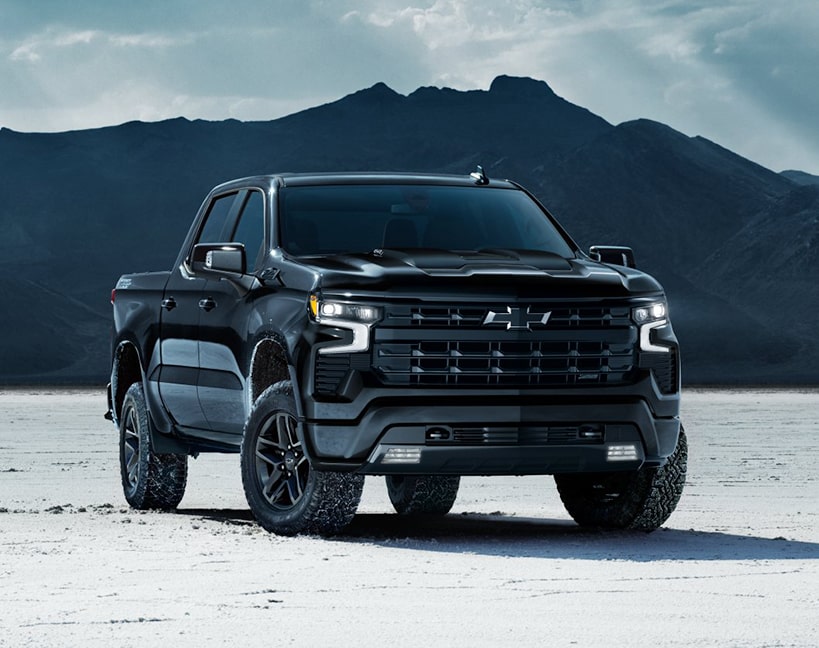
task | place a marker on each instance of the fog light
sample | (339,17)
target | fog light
(329,309)
(626,452)
(402,456)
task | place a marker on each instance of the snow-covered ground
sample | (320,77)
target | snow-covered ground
(736,565)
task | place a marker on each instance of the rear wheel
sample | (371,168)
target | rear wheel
(423,494)
(284,493)
(149,480)
(642,500)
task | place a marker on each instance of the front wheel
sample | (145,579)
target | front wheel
(284,493)
(642,500)
(149,480)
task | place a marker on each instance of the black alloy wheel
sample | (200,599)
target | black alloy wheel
(285,494)
(281,466)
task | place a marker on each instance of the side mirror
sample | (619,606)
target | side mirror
(614,254)
(219,258)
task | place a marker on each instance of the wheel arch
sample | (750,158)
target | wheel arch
(126,370)
(270,363)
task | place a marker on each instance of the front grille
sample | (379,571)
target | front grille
(553,359)
(461,316)
(528,345)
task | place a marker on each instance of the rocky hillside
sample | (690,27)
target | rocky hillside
(734,243)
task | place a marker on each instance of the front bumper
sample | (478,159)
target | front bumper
(496,432)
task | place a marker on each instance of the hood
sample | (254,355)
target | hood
(524,273)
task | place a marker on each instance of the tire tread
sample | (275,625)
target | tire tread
(423,494)
(162,477)
(649,496)
(331,498)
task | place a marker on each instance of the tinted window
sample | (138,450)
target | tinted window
(250,229)
(361,218)
(215,229)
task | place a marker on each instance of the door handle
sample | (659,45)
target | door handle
(169,303)
(207,304)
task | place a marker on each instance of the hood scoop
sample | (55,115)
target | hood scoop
(485,262)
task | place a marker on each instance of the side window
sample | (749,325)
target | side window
(217,222)
(250,229)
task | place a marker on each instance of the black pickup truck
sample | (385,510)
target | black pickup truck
(328,327)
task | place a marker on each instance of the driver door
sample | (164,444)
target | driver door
(182,306)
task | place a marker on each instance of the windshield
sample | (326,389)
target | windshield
(338,219)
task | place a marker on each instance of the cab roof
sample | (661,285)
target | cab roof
(282,180)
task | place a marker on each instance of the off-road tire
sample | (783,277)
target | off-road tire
(424,494)
(149,480)
(641,500)
(285,495)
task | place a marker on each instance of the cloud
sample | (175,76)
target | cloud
(52,40)
(739,72)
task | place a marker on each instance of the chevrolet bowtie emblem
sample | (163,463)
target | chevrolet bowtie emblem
(516,318)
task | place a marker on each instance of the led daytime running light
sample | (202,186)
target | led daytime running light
(357,318)
(649,318)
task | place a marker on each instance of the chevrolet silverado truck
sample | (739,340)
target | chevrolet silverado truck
(326,327)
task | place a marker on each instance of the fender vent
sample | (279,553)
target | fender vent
(663,367)
(331,370)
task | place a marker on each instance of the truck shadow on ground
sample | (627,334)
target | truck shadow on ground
(499,535)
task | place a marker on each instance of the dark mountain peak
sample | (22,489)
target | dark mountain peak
(799,177)
(661,147)
(520,87)
(378,99)
(652,129)
(433,93)
(379,92)
(503,86)
(171,122)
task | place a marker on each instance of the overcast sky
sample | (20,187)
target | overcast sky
(740,72)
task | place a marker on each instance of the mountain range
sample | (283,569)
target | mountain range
(734,244)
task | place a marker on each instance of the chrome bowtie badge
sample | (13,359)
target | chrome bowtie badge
(516,318)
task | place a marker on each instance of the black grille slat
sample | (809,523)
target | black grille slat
(472,316)
(499,362)
(528,436)
(429,316)
(527,344)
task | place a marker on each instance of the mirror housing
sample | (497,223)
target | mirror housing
(219,259)
(614,254)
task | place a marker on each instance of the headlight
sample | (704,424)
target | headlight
(357,318)
(333,310)
(649,313)
(648,318)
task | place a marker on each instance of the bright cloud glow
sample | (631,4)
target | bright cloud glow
(739,72)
